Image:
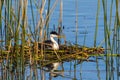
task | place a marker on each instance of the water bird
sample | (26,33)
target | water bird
(52,43)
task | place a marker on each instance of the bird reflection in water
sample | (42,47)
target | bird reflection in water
(56,69)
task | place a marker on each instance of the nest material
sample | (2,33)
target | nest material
(65,53)
(69,53)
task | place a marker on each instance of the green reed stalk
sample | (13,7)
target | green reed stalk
(113,44)
(76,22)
(75,67)
(16,23)
(81,71)
(1,29)
(112,60)
(96,28)
(84,40)
(1,6)
(47,21)
(1,35)
(110,14)
(118,52)
(114,48)
(16,31)
(118,38)
(7,21)
(8,36)
(106,29)
(16,26)
(116,43)
(97,67)
(16,36)
(33,20)
(106,38)
(23,35)
(60,20)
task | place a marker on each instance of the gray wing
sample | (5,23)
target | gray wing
(47,44)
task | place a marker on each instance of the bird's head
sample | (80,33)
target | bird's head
(54,34)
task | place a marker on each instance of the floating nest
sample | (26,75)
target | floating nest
(65,53)
(68,53)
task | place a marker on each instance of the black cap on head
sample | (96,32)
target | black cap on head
(53,32)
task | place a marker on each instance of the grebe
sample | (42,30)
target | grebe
(52,41)
(51,44)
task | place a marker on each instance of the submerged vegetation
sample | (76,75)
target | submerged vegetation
(19,38)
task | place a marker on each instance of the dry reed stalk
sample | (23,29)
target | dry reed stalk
(60,20)
(76,22)
(41,24)
(51,11)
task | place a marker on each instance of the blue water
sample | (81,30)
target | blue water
(87,10)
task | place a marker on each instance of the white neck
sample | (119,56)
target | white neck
(55,44)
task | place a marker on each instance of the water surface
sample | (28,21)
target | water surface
(94,68)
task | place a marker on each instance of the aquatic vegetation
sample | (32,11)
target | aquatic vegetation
(24,25)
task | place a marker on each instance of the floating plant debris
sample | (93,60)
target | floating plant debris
(47,56)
